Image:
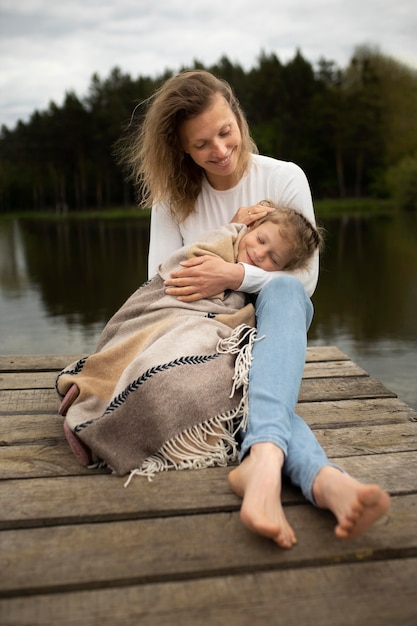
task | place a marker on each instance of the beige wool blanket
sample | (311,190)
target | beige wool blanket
(167,385)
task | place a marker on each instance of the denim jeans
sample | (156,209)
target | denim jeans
(283,316)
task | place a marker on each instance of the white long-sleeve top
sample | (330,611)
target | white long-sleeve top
(284,183)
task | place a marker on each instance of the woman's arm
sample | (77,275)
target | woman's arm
(165,238)
(255,278)
(204,277)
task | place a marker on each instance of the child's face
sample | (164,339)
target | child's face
(265,247)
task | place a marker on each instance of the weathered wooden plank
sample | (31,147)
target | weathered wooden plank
(28,401)
(344,413)
(30,429)
(332,369)
(103,497)
(338,595)
(57,362)
(95,497)
(91,555)
(49,458)
(37,362)
(46,380)
(35,428)
(52,457)
(312,390)
(325,353)
(27,380)
(354,387)
(396,473)
(369,440)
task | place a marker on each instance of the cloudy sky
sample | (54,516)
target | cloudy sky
(48,48)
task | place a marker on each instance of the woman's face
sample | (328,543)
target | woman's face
(213,141)
(265,247)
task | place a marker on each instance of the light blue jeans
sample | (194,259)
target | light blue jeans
(283,316)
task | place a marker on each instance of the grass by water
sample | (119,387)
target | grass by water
(327,207)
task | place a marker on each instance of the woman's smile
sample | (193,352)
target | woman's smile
(223,162)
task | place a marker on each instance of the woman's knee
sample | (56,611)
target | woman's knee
(289,285)
(287,292)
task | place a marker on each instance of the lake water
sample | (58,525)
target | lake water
(61,281)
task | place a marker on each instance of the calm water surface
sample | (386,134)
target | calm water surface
(61,281)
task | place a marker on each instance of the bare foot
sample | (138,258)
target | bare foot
(356,505)
(258,481)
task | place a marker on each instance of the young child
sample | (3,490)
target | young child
(141,403)
(292,240)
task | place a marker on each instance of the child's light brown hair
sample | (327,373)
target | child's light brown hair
(296,228)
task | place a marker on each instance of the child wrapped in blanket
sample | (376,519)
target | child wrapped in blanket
(144,401)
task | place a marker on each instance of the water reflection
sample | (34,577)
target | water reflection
(368,285)
(13,274)
(85,269)
(366,300)
(61,281)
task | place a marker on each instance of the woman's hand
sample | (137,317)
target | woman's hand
(249,214)
(204,277)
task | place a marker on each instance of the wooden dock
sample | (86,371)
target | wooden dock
(77,548)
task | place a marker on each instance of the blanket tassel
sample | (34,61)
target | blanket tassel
(212,443)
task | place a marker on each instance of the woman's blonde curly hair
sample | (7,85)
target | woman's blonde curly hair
(153,154)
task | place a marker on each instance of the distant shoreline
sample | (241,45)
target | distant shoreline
(327,207)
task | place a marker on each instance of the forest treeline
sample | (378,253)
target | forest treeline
(353,130)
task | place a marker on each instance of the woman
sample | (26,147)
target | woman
(194,160)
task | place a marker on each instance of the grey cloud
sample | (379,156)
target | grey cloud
(49,48)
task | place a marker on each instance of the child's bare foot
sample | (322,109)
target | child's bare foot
(258,481)
(356,505)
